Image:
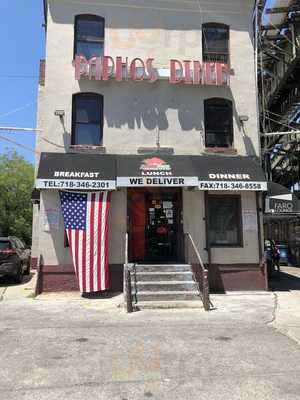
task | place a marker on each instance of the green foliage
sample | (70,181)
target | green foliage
(16,183)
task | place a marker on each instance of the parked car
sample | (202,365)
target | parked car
(285,254)
(14,258)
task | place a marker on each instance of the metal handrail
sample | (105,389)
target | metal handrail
(203,283)
(188,235)
(127,280)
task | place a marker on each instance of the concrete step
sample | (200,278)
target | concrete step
(160,286)
(167,296)
(163,268)
(165,305)
(164,276)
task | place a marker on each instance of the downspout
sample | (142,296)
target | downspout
(207,236)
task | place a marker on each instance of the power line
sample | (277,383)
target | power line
(18,109)
(19,145)
(19,76)
(17,129)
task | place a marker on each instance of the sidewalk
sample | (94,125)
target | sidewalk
(287,302)
(13,291)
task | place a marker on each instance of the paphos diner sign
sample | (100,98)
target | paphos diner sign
(123,69)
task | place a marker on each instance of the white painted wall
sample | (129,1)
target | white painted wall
(134,111)
(194,212)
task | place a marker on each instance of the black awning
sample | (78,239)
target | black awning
(280,200)
(218,172)
(156,170)
(76,171)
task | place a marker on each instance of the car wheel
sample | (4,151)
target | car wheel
(18,278)
(27,270)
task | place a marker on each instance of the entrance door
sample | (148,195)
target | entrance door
(156,235)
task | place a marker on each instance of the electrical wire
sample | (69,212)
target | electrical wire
(18,109)
(19,144)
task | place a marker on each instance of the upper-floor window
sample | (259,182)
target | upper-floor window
(215,42)
(87,119)
(89,36)
(218,122)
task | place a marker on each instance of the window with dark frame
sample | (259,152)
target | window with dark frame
(225,221)
(218,122)
(87,119)
(215,42)
(89,36)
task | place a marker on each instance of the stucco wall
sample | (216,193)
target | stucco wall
(194,212)
(134,112)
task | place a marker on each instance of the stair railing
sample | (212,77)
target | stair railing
(200,273)
(127,291)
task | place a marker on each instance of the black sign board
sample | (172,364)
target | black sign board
(218,172)
(156,170)
(76,171)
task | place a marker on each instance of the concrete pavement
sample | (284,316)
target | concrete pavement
(12,291)
(287,302)
(72,348)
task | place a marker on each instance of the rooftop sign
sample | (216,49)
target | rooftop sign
(122,69)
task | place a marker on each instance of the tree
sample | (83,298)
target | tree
(16,183)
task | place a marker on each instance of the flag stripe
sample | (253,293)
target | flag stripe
(99,264)
(86,222)
(84,288)
(92,220)
(96,239)
(107,202)
(87,240)
(103,241)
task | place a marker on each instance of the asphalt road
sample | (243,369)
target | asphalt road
(90,349)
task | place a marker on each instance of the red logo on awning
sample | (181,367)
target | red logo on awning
(155,164)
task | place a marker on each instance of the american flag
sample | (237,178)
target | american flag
(86,223)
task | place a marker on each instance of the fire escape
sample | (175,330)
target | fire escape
(278,56)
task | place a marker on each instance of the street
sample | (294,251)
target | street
(72,348)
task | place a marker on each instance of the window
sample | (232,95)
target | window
(89,36)
(225,221)
(5,245)
(215,42)
(218,122)
(87,126)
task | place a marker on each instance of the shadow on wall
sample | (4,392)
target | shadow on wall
(161,14)
(139,105)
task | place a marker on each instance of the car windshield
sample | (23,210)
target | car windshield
(5,245)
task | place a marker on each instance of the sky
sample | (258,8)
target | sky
(22,46)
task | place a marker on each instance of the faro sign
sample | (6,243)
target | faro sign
(122,69)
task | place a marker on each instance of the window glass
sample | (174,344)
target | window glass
(89,36)
(87,119)
(90,28)
(87,109)
(218,123)
(90,50)
(5,245)
(225,221)
(87,134)
(215,42)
